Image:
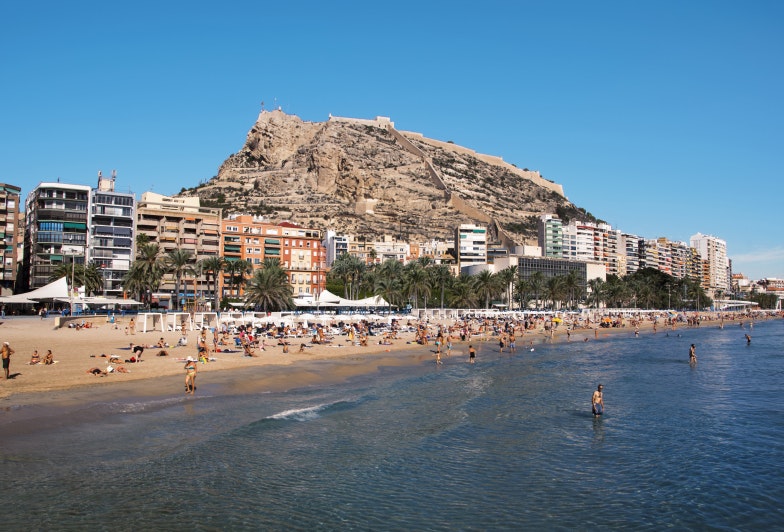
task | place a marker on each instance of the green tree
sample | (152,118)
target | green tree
(555,290)
(487,286)
(506,278)
(463,293)
(596,294)
(349,269)
(536,285)
(573,287)
(146,272)
(179,263)
(390,289)
(441,277)
(416,282)
(269,288)
(213,269)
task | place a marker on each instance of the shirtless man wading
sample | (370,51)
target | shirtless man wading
(597,402)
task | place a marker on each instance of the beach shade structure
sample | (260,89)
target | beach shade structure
(150,321)
(175,321)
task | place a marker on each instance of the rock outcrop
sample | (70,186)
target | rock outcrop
(366,178)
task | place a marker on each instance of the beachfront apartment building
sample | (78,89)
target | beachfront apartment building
(470,245)
(10,196)
(630,248)
(180,223)
(550,235)
(335,245)
(111,234)
(716,271)
(592,242)
(389,248)
(253,239)
(56,231)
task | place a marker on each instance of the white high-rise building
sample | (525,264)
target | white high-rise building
(550,232)
(714,252)
(470,245)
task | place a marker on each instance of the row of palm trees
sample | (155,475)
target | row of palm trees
(419,282)
(266,287)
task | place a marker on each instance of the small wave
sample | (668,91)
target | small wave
(301,414)
(135,407)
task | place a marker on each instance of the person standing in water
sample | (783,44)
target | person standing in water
(692,354)
(190,375)
(597,401)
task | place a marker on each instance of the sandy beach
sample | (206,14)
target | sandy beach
(77,351)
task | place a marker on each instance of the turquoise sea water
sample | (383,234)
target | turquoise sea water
(506,444)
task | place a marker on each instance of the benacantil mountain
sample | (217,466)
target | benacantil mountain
(366,178)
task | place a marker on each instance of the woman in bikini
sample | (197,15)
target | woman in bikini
(190,375)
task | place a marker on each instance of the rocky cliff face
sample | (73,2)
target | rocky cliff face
(366,178)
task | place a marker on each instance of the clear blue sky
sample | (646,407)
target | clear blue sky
(662,118)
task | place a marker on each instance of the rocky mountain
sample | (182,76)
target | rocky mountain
(365,177)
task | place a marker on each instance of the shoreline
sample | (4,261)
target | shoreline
(67,383)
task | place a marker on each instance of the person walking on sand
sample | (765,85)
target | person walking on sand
(693,354)
(597,401)
(191,368)
(132,326)
(6,352)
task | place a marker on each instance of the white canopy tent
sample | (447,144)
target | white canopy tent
(55,290)
(328,298)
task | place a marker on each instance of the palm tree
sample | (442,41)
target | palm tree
(269,288)
(349,269)
(571,284)
(554,289)
(522,289)
(615,291)
(506,278)
(237,269)
(390,289)
(417,282)
(463,293)
(146,272)
(441,276)
(92,278)
(179,262)
(213,268)
(536,284)
(596,297)
(486,285)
